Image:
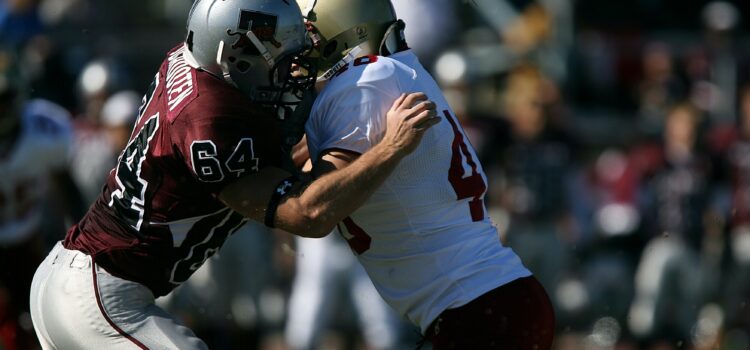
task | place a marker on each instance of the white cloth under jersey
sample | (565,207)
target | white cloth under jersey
(43,146)
(424,249)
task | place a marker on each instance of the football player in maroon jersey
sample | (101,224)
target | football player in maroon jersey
(204,157)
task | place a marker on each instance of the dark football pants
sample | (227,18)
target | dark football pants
(515,316)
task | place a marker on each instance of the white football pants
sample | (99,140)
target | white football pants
(77,305)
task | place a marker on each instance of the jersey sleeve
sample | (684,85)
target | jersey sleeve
(219,149)
(350,113)
(353,120)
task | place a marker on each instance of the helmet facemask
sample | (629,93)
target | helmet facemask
(290,91)
(287,77)
(293,77)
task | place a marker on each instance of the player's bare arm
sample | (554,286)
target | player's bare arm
(312,209)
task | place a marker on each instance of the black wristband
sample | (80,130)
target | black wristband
(282,189)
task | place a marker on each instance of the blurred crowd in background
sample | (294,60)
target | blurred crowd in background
(615,135)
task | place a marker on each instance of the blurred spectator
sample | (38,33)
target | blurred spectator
(97,145)
(119,113)
(103,128)
(717,94)
(431,25)
(35,141)
(326,268)
(671,279)
(539,30)
(737,296)
(607,220)
(658,89)
(19,22)
(55,11)
(533,185)
(98,80)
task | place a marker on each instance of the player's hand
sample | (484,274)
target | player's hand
(407,120)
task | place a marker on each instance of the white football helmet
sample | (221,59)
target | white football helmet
(346,29)
(252,45)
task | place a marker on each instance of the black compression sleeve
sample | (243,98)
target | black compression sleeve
(281,190)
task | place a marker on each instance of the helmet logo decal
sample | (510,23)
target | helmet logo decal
(263,25)
(242,41)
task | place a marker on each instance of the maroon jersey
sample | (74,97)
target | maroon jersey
(159,217)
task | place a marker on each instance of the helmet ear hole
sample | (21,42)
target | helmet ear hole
(189,41)
(231,59)
(243,66)
(330,48)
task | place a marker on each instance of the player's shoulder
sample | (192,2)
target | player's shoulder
(221,108)
(378,72)
(192,94)
(218,100)
(376,68)
(367,70)
(46,119)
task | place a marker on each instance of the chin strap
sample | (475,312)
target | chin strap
(394,39)
(261,48)
(342,62)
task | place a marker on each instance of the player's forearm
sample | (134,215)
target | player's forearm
(334,196)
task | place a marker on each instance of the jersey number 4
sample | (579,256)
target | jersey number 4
(466,180)
(129,198)
(463,176)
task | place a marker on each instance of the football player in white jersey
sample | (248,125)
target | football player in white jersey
(424,236)
(35,138)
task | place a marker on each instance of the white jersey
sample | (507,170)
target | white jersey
(43,146)
(424,236)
